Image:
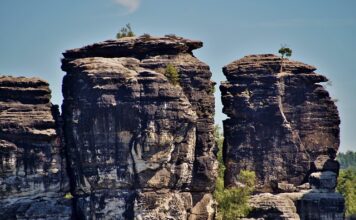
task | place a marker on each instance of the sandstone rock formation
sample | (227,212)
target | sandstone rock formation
(278,122)
(33,177)
(138,146)
(269,206)
(281,125)
(321,202)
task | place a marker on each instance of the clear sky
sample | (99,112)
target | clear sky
(34,33)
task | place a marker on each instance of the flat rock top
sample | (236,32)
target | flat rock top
(10,81)
(265,63)
(25,108)
(138,47)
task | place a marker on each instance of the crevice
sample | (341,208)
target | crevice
(286,123)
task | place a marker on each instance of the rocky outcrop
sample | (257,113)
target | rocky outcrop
(305,205)
(269,206)
(279,121)
(33,177)
(138,146)
(282,124)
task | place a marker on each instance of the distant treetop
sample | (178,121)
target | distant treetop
(285,51)
(125,32)
(347,160)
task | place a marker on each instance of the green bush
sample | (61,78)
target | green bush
(347,187)
(125,32)
(285,51)
(212,89)
(232,202)
(172,74)
(68,195)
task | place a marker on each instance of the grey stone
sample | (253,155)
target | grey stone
(320,205)
(323,180)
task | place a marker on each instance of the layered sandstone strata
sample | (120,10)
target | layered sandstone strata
(138,145)
(280,119)
(33,179)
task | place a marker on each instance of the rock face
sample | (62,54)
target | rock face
(33,177)
(282,124)
(279,120)
(318,204)
(269,206)
(139,147)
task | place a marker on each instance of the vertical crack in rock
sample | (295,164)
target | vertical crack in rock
(33,178)
(281,94)
(145,146)
(278,121)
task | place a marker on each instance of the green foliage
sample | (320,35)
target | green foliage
(68,195)
(232,202)
(347,160)
(212,89)
(172,74)
(285,51)
(125,32)
(347,187)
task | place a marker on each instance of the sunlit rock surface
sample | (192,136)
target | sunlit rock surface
(139,146)
(33,177)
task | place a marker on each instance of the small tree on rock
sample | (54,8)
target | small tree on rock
(172,74)
(125,32)
(285,52)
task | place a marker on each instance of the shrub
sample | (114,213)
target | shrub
(212,89)
(125,32)
(172,36)
(145,35)
(172,74)
(232,202)
(68,195)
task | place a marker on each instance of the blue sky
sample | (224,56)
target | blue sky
(34,33)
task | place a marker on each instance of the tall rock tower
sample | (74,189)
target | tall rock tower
(139,145)
(278,122)
(284,126)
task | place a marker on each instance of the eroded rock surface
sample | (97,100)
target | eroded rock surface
(279,121)
(139,146)
(269,206)
(33,177)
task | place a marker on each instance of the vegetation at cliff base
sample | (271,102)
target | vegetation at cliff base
(347,180)
(347,187)
(125,32)
(172,74)
(232,202)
